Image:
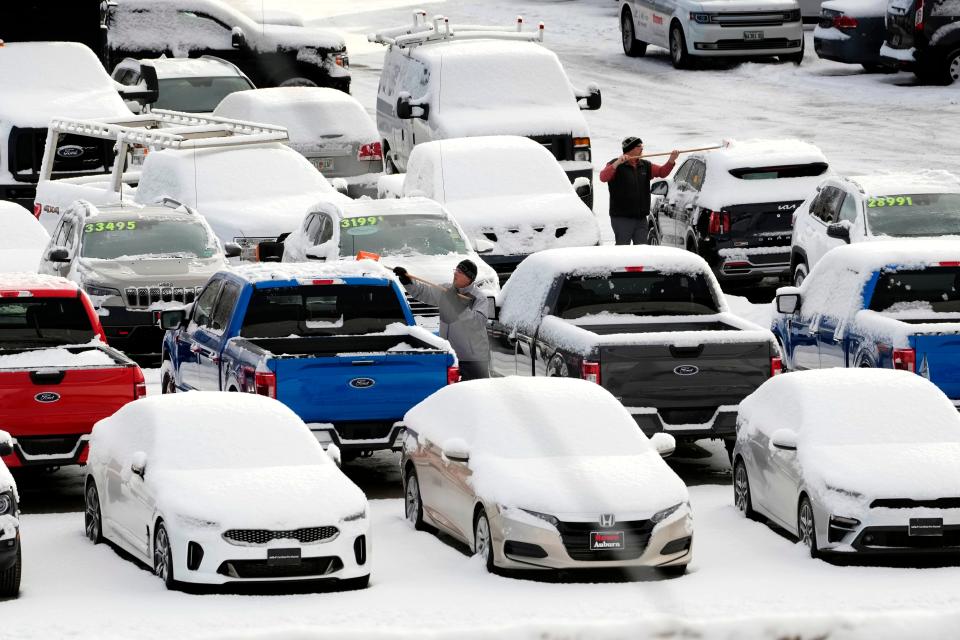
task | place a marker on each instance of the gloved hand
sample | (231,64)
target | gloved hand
(401,273)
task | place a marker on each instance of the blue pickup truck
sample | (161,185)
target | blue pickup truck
(894,305)
(336,343)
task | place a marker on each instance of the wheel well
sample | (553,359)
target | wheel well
(407,471)
(677,23)
(153,533)
(626,11)
(796,257)
(691,243)
(89,481)
(477,510)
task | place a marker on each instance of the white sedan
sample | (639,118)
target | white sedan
(852,461)
(209,487)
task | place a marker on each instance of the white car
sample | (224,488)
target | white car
(692,29)
(545,473)
(506,189)
(881,206)
(852,461)
(10,561)
(192,85)
(211,488)
(23,241)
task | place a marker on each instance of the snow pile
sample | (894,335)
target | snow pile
(25,281)
(58,357)
(906,183)
(858,8)
(292,271)
(23,241)
(525,438)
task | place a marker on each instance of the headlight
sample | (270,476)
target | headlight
(546,517)
(191,522)
(359,515)
(99,291)
(7,504)
(663,514)
(700,17)
(793,16)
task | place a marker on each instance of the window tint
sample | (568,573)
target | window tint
(326,229)
(830,198)
(935,290)
(203,308)
(197,95)
(311,227)
(407,234)
(643,293)
(915,215)
(683,173)
(34,322)
(785,171)
(697,173)
(225,305)
(848,211)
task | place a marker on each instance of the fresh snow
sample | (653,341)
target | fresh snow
(265,271)
(858,8)
(24,239)
(56,357)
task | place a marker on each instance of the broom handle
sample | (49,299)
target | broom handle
(666,153)
(436,286)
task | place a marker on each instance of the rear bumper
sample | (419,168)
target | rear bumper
(723,424)
(901,59)
(48,451)
(854,50)
(133,332)
(732,266)
(327,433)
(23,193)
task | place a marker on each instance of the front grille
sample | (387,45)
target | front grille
(307,567)
(751,19)
(146,296)
(48,445)
(893,538)
(561,147)
(363,430)
(76,155)
(907,503)
(306,535)
(576,539)
(766,43)
(421,308)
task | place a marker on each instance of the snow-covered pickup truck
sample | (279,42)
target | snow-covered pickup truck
(649,324)
(57,375)
(889,304)
(336,343)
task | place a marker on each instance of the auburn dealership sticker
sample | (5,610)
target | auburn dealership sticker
(606,540)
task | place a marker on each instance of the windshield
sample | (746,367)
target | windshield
(400,235)
(32,322)
(321,310)
(930,214)
(936,290)
(785,171)
(647,293)
(196,95)
(139,237)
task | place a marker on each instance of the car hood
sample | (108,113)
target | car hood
(185,272)
(276,498)
(717,6)
(635,486)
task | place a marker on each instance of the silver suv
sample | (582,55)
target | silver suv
(134,261)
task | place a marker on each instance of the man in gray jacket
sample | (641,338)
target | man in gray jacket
(463,316)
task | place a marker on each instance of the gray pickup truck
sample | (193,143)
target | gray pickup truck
(649,324)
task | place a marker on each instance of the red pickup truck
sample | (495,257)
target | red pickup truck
(58,377)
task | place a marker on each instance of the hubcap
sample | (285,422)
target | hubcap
(93,514)
(806,524)
(413,499)
(161,568)
(482,536)
(955,68)
(626,30)
(740,488)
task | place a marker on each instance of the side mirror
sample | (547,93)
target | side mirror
(172,319)
(840,231)
(270,251)
(593,99)
(664,443)
(6,444)
(340,185)
(493,311)
(784,439)
(406,110)
(138,95)
(138,464)
(313,254)
(482,245)
(237,38)
(788,303)
(58,254)
(333,452)
(582,186)
(232,249)
(455,450)
(660,188)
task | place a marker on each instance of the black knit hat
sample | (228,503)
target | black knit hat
(630,142)
(467,268)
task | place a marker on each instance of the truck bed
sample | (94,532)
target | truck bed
(321,346)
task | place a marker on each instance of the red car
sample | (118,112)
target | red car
(58,377)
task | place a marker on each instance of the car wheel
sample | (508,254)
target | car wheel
(10,578)
(673,571)
(163,556)
(631,46)
(653,238)
(413,503)
(167,381)
(741,490)
(678,48)
(92,518)
(806,526)
(558,368)
(800,274)
(482,542)
(298,82)
(951,67)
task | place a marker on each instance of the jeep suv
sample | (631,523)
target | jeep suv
(923,36)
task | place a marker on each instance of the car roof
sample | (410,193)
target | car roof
(761,152)
(149,211)
(928,181)
(203,67)
(418,205)
(434,51)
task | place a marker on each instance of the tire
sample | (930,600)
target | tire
(800,273)
(741,491)
(167,381)
(482,542)
(807,526)
(163,556)
(413,503)
(297,82)
(355,584)
(92,516)
(631,46)
(653,238)
(951,67)
(673,571)
(728,444)
(877,68)
(10,578)
(678,48)
(558,368)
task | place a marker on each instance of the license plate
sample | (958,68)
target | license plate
(926,526)
(753,35)
(283,557)
(322,164)
(606,541)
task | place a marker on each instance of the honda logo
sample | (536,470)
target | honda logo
(607,520)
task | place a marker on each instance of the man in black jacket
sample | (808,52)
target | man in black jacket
(628,178)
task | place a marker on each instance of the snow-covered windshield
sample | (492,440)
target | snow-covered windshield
(146,237)
(400,235)
(935,290)
(647,293)
(917,215)
(38,322)
(197,95)
(517,172)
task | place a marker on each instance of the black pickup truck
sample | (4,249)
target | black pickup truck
(649,324)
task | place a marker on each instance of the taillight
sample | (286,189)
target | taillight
(139,384)
(844,22)
(918,17)
(370,151)
(453,374)
(590,371)
(776,366)
(905,360)
(265,383)
(37,208)
(949,263)
(719,223)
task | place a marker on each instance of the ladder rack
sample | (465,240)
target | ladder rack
(439,30)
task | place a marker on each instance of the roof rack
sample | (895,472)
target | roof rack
(439,29)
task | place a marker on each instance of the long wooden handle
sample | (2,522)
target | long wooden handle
(666,153)
(436,286)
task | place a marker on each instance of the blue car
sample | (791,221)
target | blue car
(894,305)
(336,343)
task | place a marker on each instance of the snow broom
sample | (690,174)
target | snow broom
(369,255)
(666,153)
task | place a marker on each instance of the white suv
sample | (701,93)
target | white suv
(862,208)
(692,29)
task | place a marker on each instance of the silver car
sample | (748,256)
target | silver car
(860,461)
(544,473)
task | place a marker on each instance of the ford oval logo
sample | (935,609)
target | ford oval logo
(686,370)
(70,151)
(362,383)
(47,396)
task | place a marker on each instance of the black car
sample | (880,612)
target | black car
(851,32)
(923,36)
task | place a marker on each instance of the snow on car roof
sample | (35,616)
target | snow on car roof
(24,238)
(204,67)
(24,281)
(907,253)
(54,79)
(858,8)
(292,271)
(488,50)
(760,152)
(927,181)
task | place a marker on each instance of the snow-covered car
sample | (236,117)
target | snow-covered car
(923,37)
(330,128)
(134,260)
(416,233)
(518,480)
(10,560)
(443,81)
(42,80)
(192,85)
(211,488)
(695,29)
(881,206)
(852,461)
(505,189)
(851,31)
(734,205)
(23,241)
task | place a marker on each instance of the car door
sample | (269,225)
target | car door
(503,357)
(783,483)
(195,338)
(141,507)
(826,214)
(456,497)
(666,213)
(525,352)
(802,332)
(431,479)
(686,213)
(47,266)
(210,365)
(830,342)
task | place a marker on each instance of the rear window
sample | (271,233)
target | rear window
(914,215)
(647,293)
(39,322)
(784,171)
(935,290)
(196,95)
(321,310)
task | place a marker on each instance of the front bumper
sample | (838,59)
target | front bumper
(900,59)
(48,451)
(722,424)
(132,331)
(347,436)
(717,41)
(886,532)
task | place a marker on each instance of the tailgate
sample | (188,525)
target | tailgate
(901,25)
(762,225)
(938,360)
